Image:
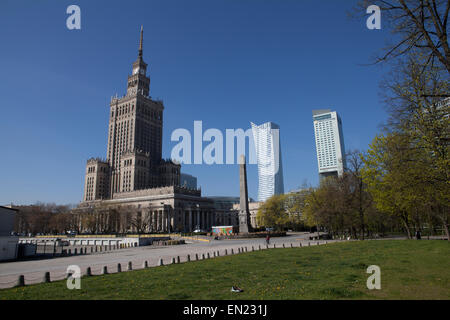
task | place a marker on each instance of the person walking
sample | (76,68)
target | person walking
(418,235)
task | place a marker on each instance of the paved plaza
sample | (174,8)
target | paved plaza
(34,270)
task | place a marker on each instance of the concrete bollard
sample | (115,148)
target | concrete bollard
(130,266)
(119,268)
(21,281)
(178,259)
(47,277)
(161,262)
(105,270)
(89,271)
(145,264)
(188,258)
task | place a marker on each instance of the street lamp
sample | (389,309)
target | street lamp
(198,216)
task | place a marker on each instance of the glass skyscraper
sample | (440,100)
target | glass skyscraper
(268,155)
(329,143)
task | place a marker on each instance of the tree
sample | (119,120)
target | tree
(140,221)
(327,207)
(272,213)
(417,112)
(416,25)
(362,199)
(394,173)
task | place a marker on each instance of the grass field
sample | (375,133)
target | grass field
(409,270)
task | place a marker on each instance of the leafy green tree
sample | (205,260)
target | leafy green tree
(273,213)
(419,114)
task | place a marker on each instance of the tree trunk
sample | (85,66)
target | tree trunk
(446,231)
(405,224)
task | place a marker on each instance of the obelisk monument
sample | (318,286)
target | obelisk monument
(244,213)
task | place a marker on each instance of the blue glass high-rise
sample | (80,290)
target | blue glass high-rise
(268,154)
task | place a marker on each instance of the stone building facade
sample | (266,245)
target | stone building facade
(165,209)
(134,174)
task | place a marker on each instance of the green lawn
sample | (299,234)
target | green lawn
(409,270)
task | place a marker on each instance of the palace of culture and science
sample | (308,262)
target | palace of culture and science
(134,173)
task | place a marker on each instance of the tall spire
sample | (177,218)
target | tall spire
(140,42)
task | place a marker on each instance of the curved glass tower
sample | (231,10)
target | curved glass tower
(268,155)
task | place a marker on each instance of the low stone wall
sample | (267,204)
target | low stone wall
(124,242)
(168,242)
(255,235)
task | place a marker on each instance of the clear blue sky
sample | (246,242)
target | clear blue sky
(225,62)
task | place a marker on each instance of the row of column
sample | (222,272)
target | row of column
(195,218)
(191,219)
(161,221)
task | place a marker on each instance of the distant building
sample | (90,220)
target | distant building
(329,143)
(188,181)
(268,154)
(8,242)
(223,206)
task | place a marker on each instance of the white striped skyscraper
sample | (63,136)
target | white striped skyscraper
(268,155)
